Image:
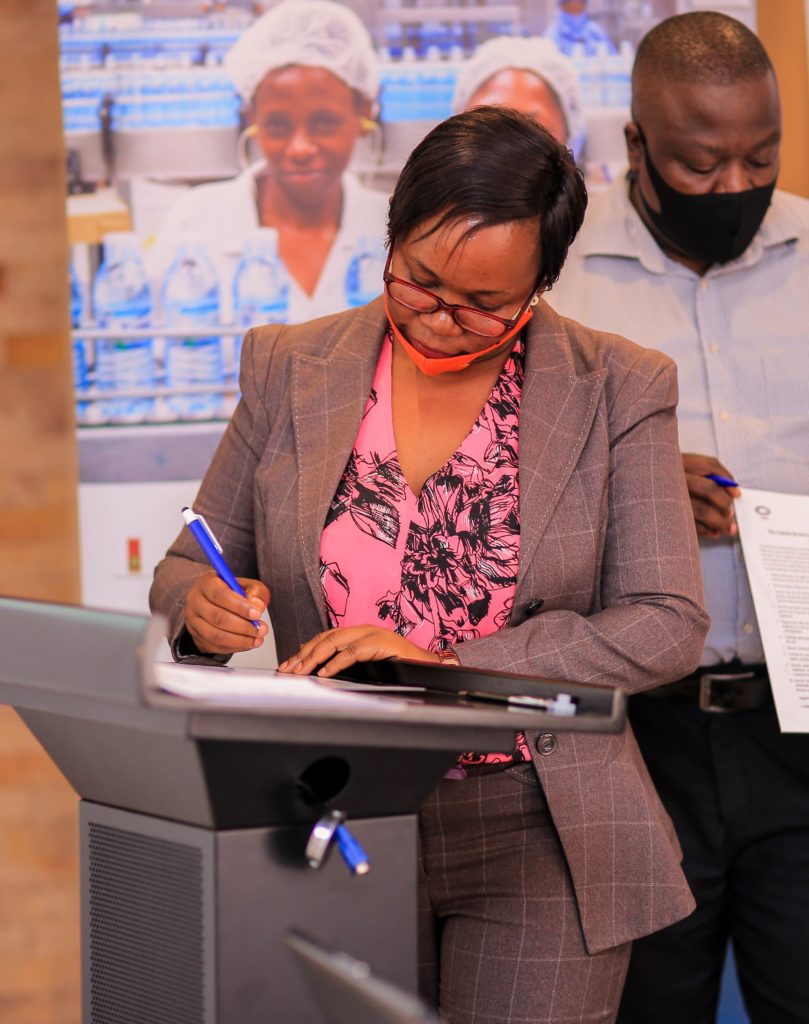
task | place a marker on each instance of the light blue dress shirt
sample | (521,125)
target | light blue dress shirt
(740,337)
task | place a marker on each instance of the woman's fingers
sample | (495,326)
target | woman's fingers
(219,620)
(329,653)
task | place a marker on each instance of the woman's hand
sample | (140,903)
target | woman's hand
(712,504)
(220,620)
(329,653)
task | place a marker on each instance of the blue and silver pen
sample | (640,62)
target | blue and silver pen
(723,481)
(213,551)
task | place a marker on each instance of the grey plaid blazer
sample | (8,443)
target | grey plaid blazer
(607,545)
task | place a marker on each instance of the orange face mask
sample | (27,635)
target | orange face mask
(452,364)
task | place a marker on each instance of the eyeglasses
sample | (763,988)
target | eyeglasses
(412,296)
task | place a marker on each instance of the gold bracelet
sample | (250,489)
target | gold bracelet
(448,657)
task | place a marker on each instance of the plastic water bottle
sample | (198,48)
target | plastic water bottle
(81,380)
(364,275)
(190,300)
(260,285)
(122,301)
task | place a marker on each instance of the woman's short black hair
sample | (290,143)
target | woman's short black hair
(492,165)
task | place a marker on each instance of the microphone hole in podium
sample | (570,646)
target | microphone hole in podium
(323,781)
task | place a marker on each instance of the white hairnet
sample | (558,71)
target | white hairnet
(525,54)
(314,33)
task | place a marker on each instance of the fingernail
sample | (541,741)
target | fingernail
(255,611)
(258,641)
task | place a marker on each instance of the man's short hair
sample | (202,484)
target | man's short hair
(703,48)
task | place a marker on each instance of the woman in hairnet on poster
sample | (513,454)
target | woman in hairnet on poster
(309,75)
(527,74)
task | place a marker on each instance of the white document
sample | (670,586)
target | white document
(263,689)
(774,531)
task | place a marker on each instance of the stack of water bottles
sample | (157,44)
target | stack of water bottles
(194,361)
(260,286)
(604,77)
(139,359)
(417,90)
(364,275)
(124,356)
(81,377)
(136,360)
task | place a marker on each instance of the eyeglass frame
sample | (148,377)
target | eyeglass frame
(452,307)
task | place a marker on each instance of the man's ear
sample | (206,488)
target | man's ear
(634,146)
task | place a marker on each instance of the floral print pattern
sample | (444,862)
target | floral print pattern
(439,568)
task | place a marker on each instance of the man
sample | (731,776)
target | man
(697,255)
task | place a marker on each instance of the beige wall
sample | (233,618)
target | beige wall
(39,925)
(782,28)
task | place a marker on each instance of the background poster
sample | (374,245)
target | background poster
(149,111)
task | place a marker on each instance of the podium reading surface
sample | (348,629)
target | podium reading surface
(195,814)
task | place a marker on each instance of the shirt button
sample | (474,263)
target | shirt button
(724,414)
(703,284)
(546,743)
(714,347)
(747,628)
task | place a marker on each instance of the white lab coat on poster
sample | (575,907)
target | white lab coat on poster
(226,212)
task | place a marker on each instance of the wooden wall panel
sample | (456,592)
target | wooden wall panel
(782,29)
(39,920)
(39,901)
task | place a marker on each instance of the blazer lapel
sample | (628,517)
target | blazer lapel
(329,394)
(556,415)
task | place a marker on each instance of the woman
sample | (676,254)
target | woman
(454,473)
(528,74)
(309,75)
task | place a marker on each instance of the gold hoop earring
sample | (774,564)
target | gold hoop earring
(241,147)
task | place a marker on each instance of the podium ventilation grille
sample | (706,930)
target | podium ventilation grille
(145,929)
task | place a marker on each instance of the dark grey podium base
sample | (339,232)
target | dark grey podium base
(185,925)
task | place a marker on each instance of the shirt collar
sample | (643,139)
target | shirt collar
(613,227)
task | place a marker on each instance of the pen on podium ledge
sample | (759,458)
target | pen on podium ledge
(212,550)
(723,481)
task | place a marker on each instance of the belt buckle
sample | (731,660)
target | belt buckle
(708,701)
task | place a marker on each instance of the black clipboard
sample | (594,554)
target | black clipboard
(595,707)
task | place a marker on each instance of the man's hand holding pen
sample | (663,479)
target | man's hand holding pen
(221,621)
(712,489)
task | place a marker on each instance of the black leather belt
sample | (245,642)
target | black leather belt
(728,687)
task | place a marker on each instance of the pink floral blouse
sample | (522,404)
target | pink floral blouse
(441,567)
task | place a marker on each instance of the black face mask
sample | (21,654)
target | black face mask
(714,227)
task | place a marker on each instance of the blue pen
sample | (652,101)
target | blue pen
(353,853)
(213,551)
(723,481)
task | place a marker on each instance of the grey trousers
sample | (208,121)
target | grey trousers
(500,941)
